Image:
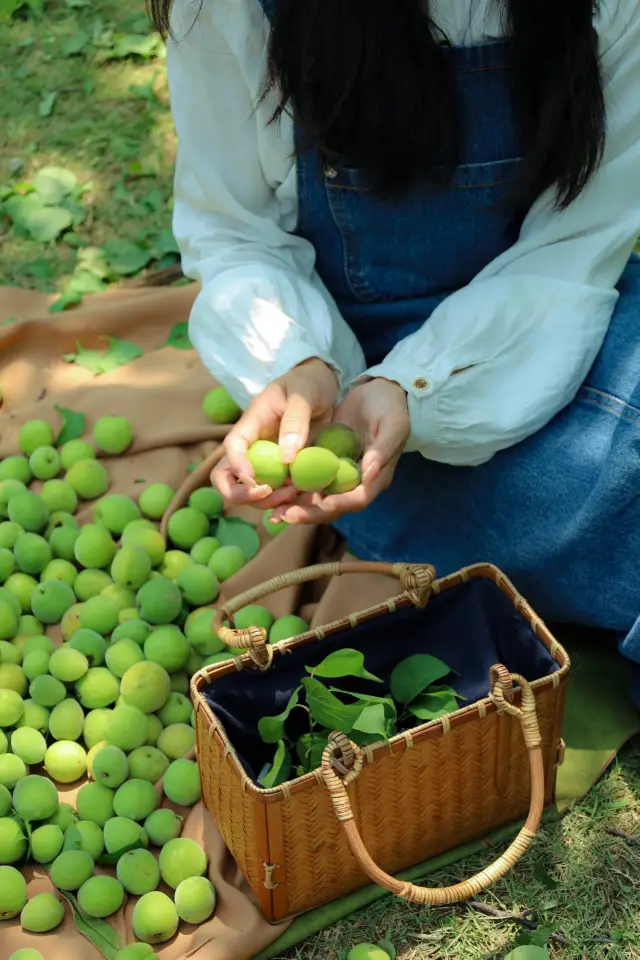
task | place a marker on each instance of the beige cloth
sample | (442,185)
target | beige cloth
(161,393)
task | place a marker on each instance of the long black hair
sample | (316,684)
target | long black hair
(370,85)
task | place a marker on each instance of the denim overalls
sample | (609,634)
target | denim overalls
(559,512)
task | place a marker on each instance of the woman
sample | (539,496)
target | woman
(416,218)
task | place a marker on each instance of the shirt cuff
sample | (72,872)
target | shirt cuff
(422,398)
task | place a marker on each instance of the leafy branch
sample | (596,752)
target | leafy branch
(416,694)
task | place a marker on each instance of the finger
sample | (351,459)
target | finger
(329,509)
(236,446)
(294,426)
(283,496)
(385,444)
(232,489)
(301,500)
(225,480)
(256,423)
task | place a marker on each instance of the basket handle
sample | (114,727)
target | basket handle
(415,580)
(342,762)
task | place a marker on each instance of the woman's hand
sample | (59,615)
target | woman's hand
(284,412)
(378,412)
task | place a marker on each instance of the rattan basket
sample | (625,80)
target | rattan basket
(367,814)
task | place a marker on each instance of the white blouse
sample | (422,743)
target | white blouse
(525,331)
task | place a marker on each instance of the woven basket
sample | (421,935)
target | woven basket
(367,814)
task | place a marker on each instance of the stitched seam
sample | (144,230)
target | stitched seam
(304,186)
(359,287)
(607,396)
(618,413)
(453,186)
(477,186)
(481,69)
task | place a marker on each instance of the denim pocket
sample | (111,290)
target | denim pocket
(436,238)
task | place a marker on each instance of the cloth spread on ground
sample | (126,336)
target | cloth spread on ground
(161,393)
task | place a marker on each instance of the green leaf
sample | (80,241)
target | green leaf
(179,336)
(125,258)
(368,698)
(101,934)
(111,859)
(40,269)
(144,91)
(233,532)
(77,210)
(23,187)
(534,938)
(42,223)
(271,729)
(168,260)
(75,43)
(92,260)
(72,425)
(165,242)
(310,747)
(528,953)
(153,201)
(47,103)
(119,353)
(373,721)
(541,875)
(82,282)
(73,240)
(390,713)
(132,44)
(434,703)
(415,674)
(279,770)
(8,8)
(389,948)
(53,184)
(327,710)
(137,22)
(342,663)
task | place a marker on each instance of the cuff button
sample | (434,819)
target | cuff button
(421,384)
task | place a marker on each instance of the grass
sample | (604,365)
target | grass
(580,881)
(108,123)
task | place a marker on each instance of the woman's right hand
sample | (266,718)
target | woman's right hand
(284,412)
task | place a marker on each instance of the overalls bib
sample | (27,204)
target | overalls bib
(559,512)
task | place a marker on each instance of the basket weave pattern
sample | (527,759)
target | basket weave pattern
(443,784)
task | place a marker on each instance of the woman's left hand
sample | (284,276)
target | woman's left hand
(378,413)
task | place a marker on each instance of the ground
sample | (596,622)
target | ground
(73,97)
(84,90)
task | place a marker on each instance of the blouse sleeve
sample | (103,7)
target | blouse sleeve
(262,308)
(499,358)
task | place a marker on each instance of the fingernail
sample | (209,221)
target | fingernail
(289,447)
